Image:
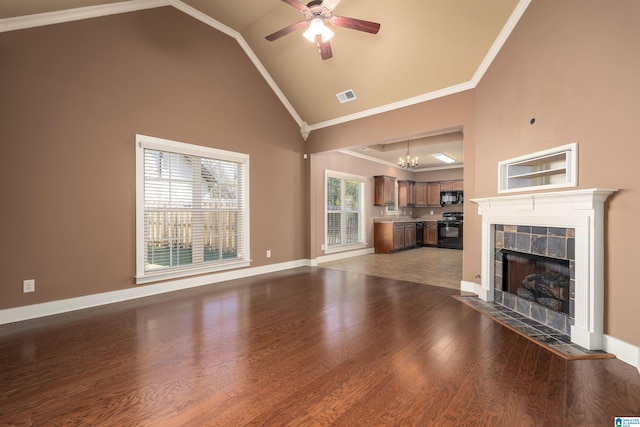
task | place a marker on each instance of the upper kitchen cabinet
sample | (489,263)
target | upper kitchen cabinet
(433,194)
(452,185)
(406,194)
(384,190)
(421,194)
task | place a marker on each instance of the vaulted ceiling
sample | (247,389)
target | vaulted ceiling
(424,49)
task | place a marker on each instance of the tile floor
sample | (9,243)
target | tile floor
(429,266)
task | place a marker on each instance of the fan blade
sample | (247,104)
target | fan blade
(356,24)
(296,4)
(325,48)
(286,30)
(330,4)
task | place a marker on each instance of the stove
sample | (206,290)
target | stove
(450,230)
(452,216)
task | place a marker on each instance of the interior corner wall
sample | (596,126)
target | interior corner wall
(73,97)
(573,67)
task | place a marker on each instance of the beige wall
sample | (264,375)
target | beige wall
(73,97)
(574,65)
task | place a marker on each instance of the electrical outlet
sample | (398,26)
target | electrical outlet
(28,286)
(322,247)
(268,253)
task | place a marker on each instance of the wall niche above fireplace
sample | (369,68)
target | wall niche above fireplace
(553,168)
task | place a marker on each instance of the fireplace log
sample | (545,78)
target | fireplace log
(529,281)
(548,284)
(526,294)
(552,303)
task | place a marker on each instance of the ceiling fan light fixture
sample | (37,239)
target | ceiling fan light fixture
(443,157)
(317,27)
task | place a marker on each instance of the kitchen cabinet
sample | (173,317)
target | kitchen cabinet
(457,185)
(384,192)
(421,195)
(406,194)
(409,235)
(398,236)
(433,194)
(391,237)
(431,233)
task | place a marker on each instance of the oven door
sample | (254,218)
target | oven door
(450,234)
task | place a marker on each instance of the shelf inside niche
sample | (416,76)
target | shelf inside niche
(553,168)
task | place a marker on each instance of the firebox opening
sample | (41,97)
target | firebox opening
(537,278)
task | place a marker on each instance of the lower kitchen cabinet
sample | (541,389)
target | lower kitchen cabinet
(409,235)
(393,236)
(431,233)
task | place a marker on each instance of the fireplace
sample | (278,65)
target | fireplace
(534,272)
(538,279)
(574,225)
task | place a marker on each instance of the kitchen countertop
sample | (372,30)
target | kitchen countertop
(403,219)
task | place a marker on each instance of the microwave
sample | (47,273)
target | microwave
(451,198)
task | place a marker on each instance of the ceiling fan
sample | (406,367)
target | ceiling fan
(316,13)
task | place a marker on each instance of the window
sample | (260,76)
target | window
(192,210)
(344,211)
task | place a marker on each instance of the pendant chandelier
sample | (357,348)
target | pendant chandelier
(408,162)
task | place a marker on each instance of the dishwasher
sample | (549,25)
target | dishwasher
(419,234)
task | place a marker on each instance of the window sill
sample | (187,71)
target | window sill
(159,276)
(345,248)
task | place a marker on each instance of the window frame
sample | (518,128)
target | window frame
(361,211)
(144,142)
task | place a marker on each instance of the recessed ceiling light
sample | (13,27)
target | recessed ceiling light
(443,157)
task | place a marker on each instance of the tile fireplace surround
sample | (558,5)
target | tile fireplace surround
(581,210)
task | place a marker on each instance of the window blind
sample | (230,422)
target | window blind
(344,211)
(194,209)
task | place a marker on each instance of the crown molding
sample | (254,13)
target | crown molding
(500,40)
(471,84)
(206,19)
(58,17)
(61,16)
(395,105)
(49,18)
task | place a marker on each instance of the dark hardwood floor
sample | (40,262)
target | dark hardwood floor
(307,346)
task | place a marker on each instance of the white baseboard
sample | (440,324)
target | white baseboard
(343,255)
(476,288)
(17,314)
(624,351)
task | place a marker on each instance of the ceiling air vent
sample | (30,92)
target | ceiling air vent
(346,96)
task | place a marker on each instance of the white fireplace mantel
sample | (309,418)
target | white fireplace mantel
(582,210)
